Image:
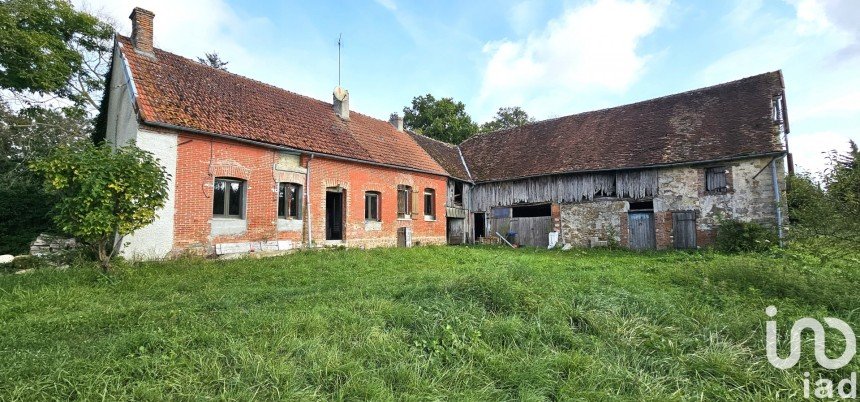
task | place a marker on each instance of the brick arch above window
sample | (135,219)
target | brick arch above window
(231,170)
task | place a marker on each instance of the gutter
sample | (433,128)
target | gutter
(309,225)
(778,200)
(283,148)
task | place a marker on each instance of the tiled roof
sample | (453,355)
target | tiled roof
(719,122)
(445,154)
(178,91)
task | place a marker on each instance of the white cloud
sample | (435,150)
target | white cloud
(389,4)
(591,47)
(823,97)
(809,149)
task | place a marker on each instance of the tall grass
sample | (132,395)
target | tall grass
(416,324)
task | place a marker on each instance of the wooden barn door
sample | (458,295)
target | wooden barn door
(533,231)
(684,229)
(642,234)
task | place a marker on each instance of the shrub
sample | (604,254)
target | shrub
(735,236)
(104,193)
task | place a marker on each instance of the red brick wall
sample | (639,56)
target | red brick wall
(201,159)
(356,179)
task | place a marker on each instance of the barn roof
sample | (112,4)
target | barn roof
(725,121)
(177,91)
(447,155)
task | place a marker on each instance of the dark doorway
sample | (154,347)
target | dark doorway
(333,215)
(684,230)
(480,225)
(642,234)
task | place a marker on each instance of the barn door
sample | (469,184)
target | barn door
(684,229)
(642,235)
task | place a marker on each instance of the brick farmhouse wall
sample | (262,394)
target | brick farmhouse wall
(201,159)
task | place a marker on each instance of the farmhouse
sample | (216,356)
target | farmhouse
(255,167)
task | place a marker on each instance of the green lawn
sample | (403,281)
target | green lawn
(427,323)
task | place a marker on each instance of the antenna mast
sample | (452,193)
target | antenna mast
(339,46)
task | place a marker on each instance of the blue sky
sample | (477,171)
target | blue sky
(552,58)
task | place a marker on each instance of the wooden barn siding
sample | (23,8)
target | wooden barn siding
(636,184)
(468,220)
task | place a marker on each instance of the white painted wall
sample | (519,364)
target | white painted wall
(155,240)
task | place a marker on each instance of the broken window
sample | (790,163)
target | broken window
(289,201)
(404,202)
(430,204)
(642,205)
(531,211)
(371,206)
(228,198)
(777,109)
(715,180)
(458,193)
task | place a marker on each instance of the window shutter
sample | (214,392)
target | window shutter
(416,202)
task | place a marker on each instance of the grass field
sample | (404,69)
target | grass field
(419,324)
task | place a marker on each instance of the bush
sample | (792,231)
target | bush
(24,213)
(735,236)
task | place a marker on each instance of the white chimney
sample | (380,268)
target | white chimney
(340,102)
(396,121)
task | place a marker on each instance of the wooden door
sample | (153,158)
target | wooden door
(642,235)
(684,230)
(455,230)
(533,231)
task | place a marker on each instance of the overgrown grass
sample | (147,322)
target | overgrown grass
(419,324)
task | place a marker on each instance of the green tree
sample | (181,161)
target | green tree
(507,117)
(213,60)
(47,48)
(104,194)
(443,119)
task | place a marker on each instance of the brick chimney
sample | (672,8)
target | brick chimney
(340,102)
(141,30)
(396,121)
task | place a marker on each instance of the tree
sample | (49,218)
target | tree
(507,117)
(213,60)
(47,49)
(443,119)
(104,194)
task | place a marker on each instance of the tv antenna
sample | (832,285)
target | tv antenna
(339,46)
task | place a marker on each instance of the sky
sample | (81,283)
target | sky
(552,58)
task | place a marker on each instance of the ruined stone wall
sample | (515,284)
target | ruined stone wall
(602,218)
(750,197)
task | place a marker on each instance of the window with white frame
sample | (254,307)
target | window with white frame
(429,204)
(404,202)
(289,201)
(371,206)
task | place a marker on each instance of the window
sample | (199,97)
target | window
(404,202)
(777,109)
(458,193)
(531,211)
(715,180)
(289,201)
(229,198)
(429,204)
(371,206)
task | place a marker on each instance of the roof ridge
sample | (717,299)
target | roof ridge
(447,144)
(644,101)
